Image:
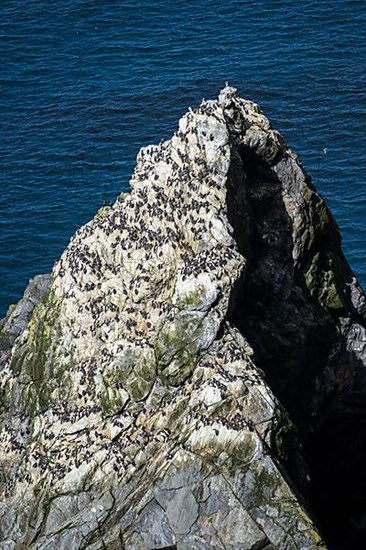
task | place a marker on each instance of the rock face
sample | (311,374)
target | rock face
(193,376)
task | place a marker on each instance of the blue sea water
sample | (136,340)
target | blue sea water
(86,83)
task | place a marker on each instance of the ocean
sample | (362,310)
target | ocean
(85,84)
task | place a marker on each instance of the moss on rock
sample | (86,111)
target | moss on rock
(321,281)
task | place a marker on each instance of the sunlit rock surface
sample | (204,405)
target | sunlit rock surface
(183,368)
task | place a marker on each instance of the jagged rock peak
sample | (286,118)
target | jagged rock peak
(135,410)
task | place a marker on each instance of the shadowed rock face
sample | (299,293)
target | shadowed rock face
(192,375)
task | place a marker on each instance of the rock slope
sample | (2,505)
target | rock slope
(183,365)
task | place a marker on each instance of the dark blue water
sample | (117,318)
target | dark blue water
(86,83)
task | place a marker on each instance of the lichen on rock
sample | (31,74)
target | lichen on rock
(148,399)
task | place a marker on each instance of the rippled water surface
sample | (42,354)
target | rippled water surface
(85,84)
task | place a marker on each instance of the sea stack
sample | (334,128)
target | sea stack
(192,374)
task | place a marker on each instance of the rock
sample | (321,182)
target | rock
(18,316)
(194,376)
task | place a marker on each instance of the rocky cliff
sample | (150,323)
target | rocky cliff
(192,374)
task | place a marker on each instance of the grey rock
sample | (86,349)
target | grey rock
(155,527)
(181,509)
(18,315)
(193,542)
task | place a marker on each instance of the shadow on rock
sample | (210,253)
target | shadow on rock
(299,306)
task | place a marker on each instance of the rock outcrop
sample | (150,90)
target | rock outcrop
(192,375)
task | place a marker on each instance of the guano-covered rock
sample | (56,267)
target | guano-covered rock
(192,373)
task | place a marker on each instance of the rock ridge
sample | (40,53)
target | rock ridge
(176,381)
